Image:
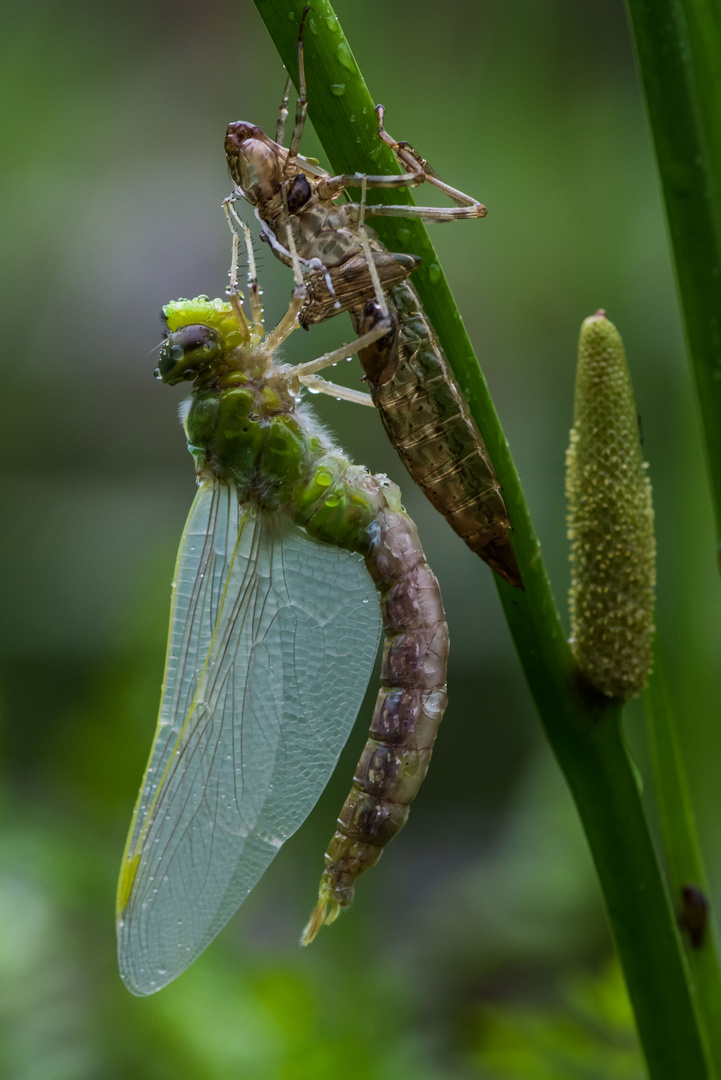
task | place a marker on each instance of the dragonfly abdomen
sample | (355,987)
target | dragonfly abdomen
(409,708)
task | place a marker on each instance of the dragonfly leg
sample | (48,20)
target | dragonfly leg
(256,304)
(301,107)
(334,185)
(412,162)
(283,253)
(428,213)
(233,294)
(289,322)
(467,206)
(318,385)
(363,236)
(235,222)
(283,112)
(382,327)
(292,249)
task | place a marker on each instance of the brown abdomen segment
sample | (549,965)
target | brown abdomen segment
(408,710)
(429,424)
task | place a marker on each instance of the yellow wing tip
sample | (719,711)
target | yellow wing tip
(126,882)
(325,912)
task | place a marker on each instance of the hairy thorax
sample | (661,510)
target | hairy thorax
(242,428)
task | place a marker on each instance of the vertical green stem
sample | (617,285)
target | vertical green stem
(678,43)
(683,853)
(583,728)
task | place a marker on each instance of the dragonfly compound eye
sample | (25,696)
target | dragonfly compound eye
(299,192)
(186,352)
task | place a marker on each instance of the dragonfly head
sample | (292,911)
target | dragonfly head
(199,331)
(255,161)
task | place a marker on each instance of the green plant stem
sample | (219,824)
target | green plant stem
(682,850)
(678,44)
(583,728)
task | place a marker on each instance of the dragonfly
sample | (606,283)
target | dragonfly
(418,398)
(291,560)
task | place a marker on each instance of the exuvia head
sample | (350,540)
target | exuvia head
(255,162)
(199,332)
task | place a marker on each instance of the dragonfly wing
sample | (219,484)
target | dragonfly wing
(272,642)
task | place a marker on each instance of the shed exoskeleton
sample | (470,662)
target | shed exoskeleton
(325,241)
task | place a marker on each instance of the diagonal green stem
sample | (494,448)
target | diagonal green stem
(583,728)
(678,43)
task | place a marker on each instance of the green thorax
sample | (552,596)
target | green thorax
(242,428)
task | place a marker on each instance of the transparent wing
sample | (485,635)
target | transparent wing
(272,642)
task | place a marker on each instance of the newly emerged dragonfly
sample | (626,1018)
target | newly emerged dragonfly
(290,559)
(416,393)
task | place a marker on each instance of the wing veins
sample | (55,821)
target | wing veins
(192,736)
(202,586)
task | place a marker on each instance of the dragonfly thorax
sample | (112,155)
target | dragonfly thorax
(327,234)
(243,430)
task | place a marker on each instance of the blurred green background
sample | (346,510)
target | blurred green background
(478,947)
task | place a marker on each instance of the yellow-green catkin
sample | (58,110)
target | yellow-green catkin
(610,520)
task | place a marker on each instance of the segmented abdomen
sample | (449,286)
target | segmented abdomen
(428,422)
(407,713)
